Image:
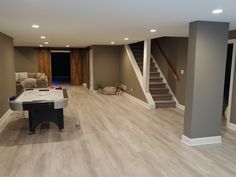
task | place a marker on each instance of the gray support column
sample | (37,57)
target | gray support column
(146,64)
(205,82)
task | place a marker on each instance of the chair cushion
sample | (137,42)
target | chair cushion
(29,83)
(41,76)
(32,75)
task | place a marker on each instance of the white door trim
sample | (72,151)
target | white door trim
(146,64)
(228,114)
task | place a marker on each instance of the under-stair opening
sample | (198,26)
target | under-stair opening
(137,50)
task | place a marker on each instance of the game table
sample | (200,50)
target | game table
(43,105)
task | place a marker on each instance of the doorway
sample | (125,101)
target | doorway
(227,75)
(61,74)
(230,54)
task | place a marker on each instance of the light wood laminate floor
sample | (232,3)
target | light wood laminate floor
(116,138)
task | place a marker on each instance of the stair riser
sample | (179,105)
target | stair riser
(159,91)
(139,59)
(154,74)
(157,85)
(140,62)
(151,69)
(137,51)
(137,47)
(165,105)
(136,55)
(156,80)
(162,98)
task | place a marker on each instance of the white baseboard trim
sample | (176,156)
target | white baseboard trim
(94,91)
(231,126)
(5,116)
(180,106)
(201,141)
(136,100)
(85,85)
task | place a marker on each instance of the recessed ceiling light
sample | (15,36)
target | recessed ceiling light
(126,39)
(42,37)
(112,42)
(35,26)
(217,11)
(40,45)
(45,42)
(67,46)
(153,30)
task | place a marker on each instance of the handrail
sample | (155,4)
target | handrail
(166,61)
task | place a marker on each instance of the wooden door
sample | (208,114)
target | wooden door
(85,66)
(44,64)
(76,67)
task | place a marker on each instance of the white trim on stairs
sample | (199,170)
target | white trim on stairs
(136,100)
(231,126)
(146,64)
(178,105)
(201,141)
(137,71)
(4,118)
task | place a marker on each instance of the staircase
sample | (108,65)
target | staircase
(160,92)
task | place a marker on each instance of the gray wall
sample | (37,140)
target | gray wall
(205,78)
(26,59)
(176,50)
(7,72)
(106,65)
(129,78)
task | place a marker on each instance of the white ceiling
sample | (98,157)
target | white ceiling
(81,23)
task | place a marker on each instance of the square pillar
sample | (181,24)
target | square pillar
(205,82)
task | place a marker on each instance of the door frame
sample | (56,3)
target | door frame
(228,113)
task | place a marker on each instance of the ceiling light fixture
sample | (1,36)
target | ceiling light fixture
(35,26)
(112,43)
(45,42)
(67,46)
(153,30)
(217,11)
(126,39)
(40,45)
(42,37)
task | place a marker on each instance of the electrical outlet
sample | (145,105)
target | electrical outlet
(131,89)
(182,71)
